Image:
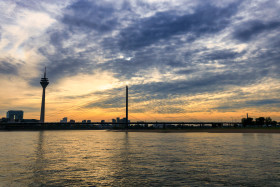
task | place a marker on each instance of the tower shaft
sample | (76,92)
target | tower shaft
(44,83)
(42,116)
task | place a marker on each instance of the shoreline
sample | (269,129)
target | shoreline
(218,130)
(275,130)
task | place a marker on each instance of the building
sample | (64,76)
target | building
(120,123)
(64,120)
(15,115)
(86,121)
(72,121)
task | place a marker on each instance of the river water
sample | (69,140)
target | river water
(101,158)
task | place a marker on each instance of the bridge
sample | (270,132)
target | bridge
(110,125)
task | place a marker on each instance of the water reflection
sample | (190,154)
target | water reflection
(40,162)
(100,158)
(122,161)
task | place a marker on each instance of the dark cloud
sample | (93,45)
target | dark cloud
(249,30)
(10,66)
(90,15)
(266,57)
(163,25)
(222,55)
(186,71)
(169,110)
(64,61)
(207,83)
(263,102)
(227,108)
(127,68)
(158,92)
(59,68)
(112,102)
(207,80)
(79,18)
(233,106)
(147,41)
(56,39)
(33,4)
(143,61)
(86,16)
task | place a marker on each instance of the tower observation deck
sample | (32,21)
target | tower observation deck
(44,83)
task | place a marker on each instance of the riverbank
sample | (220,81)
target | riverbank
(208,130)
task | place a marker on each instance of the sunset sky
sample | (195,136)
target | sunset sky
(183,60)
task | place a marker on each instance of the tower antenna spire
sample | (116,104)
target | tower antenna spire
(45,73)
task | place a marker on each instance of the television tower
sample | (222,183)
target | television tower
(44,83)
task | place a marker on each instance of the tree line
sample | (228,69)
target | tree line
(260,122)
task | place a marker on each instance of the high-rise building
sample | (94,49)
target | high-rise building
(64,120)
(44,83)
(15,115)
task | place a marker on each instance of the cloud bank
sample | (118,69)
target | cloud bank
(163,50)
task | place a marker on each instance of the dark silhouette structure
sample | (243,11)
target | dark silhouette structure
(15,115)
(126,123)
(44,83)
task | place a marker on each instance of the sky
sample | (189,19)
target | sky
(183,60)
